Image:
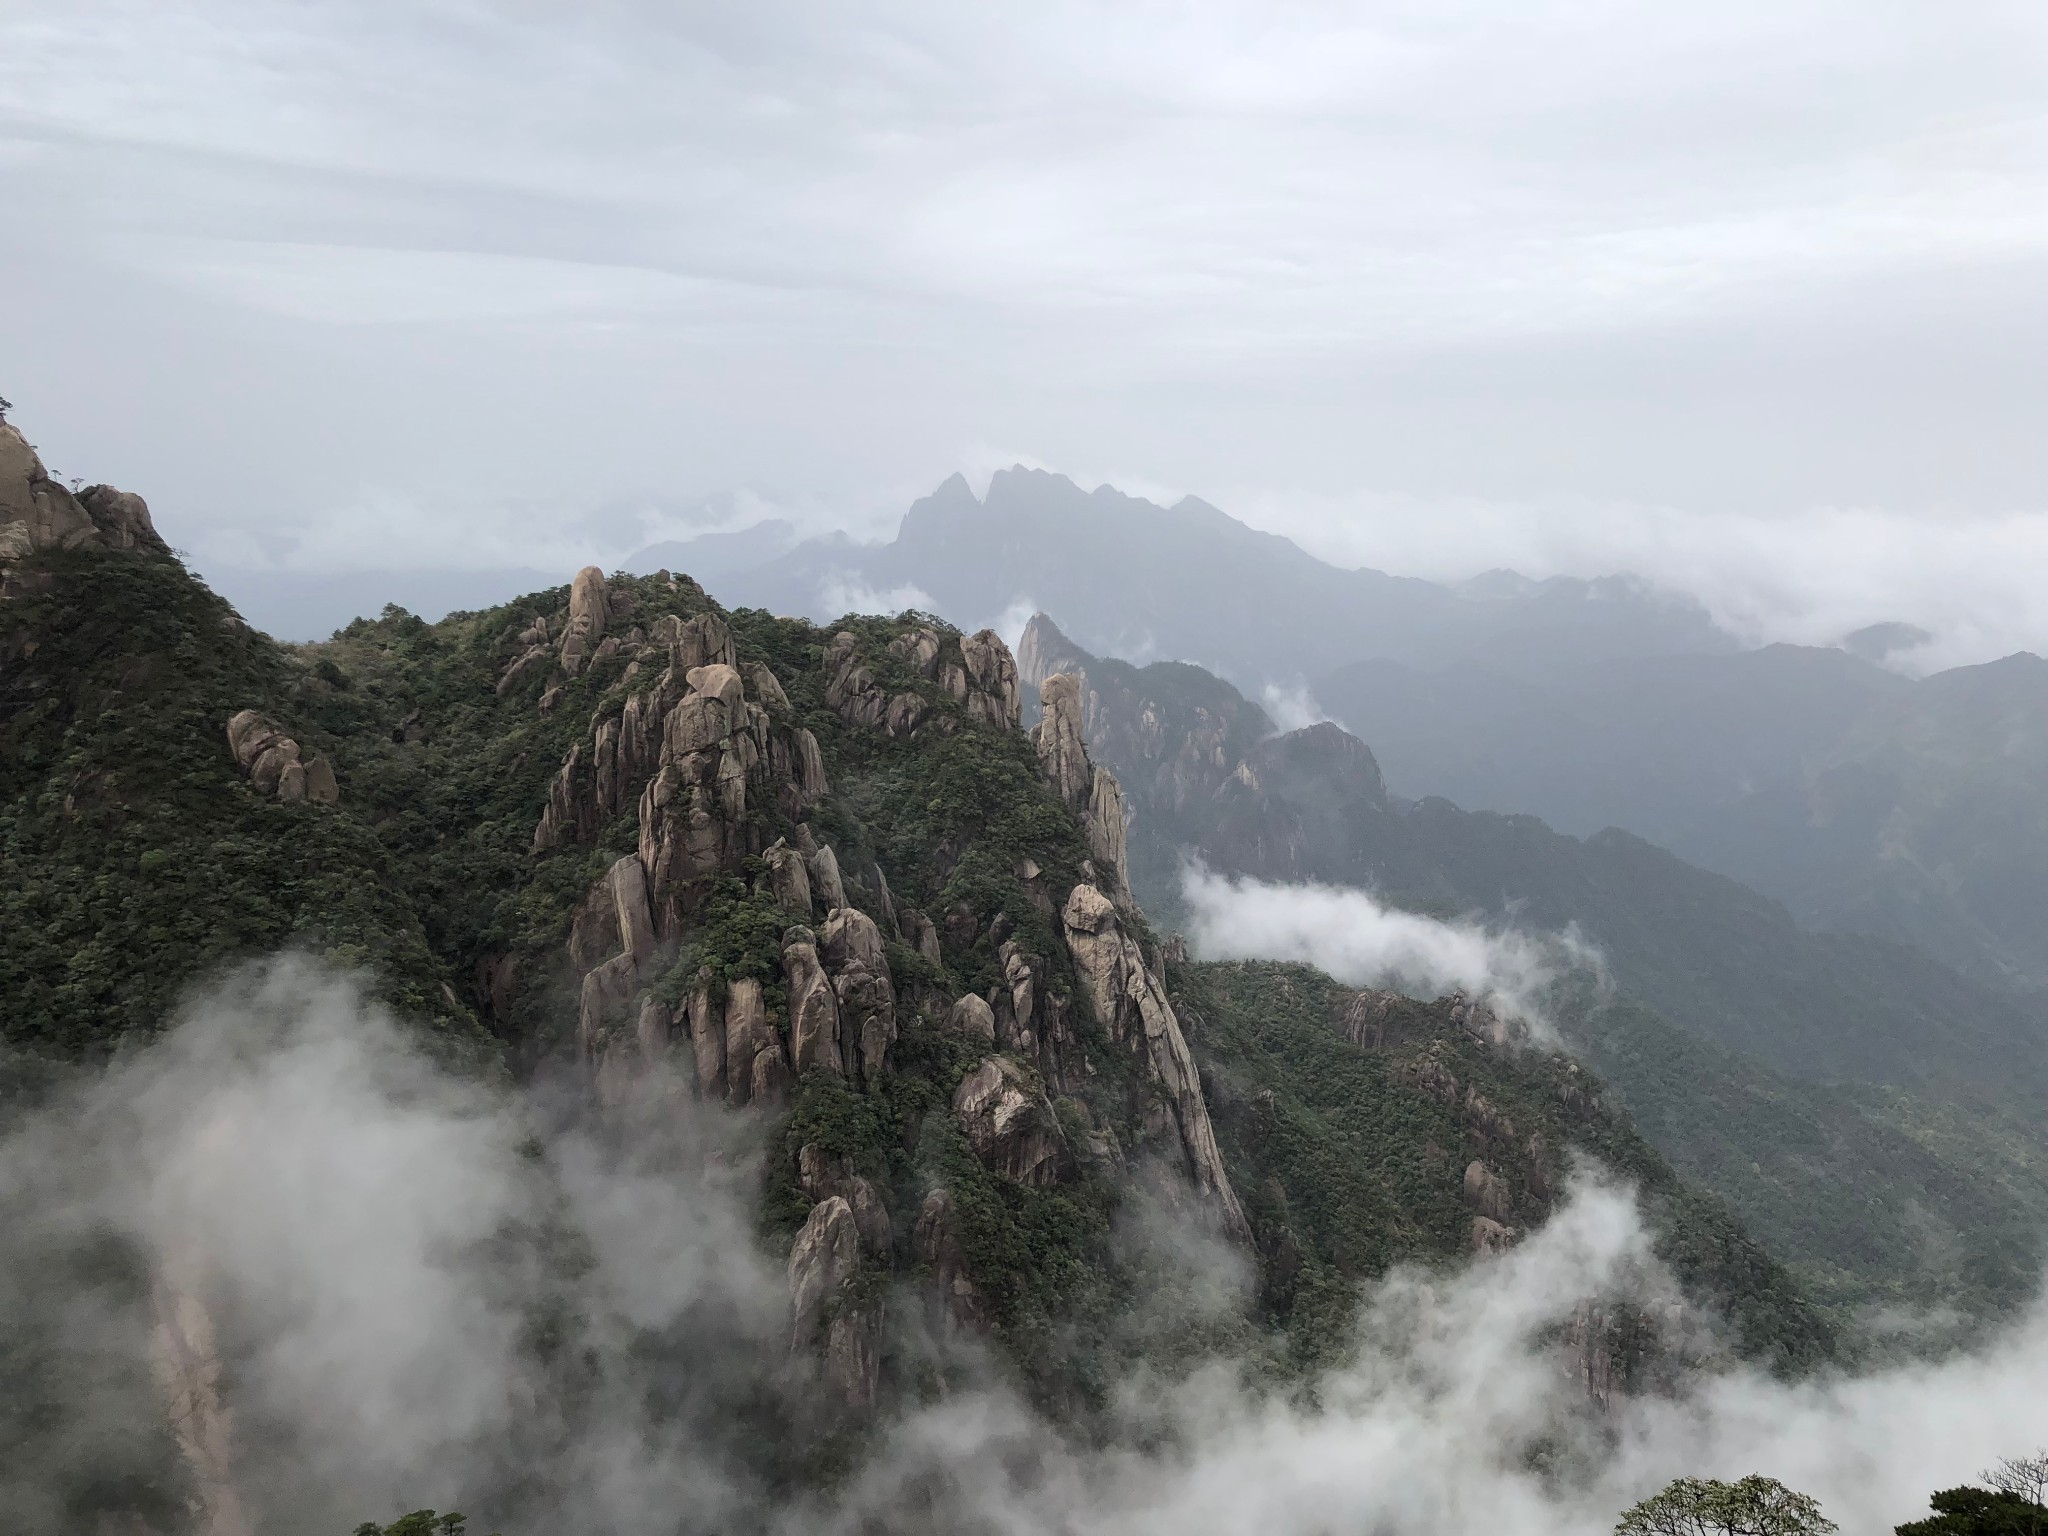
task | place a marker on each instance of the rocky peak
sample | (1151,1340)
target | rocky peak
(38,513)
(1129,1000)
(1088,788)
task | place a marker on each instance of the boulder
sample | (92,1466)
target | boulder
(707,1039)
(719,681)
(1489,1236)
(972,1017)
(822,1176)
(1062,755)
(922,935)
(790,880)
(867,1017)
(1129,1001)
(766,687)
(826,885)
(756,1070)
(851,937)
(824,1256)
(813,1007)
(1486,1192)
(993,691)
(588,611)
(272,763)
(919,648)
(936,1241)
(1008,1122)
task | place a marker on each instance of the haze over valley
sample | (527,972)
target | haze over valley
(1081,771)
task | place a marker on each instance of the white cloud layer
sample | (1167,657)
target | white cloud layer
(377,1242)
(1362,942)
(1364,272)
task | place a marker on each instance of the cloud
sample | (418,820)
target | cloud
(335,253)
(1362,942)
(1809,579)
(839,595)
(428,1290)
(1293,707)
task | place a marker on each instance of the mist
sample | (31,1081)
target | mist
(1362,942)
(431,1291)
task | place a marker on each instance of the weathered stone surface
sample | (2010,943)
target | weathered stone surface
(853,1353)
(867,1016)
(920,648)
(699,722)
(627,883)
(37,513)
(651,1030)
(810,762)
(756,1070)
(1090,789)
(719,681)
(814,1032)
(588,612)
(1486,1192)
(851,937)
(707,1040)
(121,517)
(1489,1236)
(824,1256)
(1008,1122)
(972,1017)
(937,1244)
(822,1176)
(271,761)
(1130,1002)
(1367,1019)
(993,691)
(607,990)
(903,714)
(766,687)
(827,888)
(1062,754)
(921,935)
(321,787)
(791,881)
(185,1361)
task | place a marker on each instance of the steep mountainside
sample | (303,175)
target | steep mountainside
(1134,578)
(1774,1013)
(1865,801)
(819,875)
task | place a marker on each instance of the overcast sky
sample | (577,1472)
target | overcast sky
(1752,296)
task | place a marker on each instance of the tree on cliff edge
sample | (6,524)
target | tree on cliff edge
(1698,1506)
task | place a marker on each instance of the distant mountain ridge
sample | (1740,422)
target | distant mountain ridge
(1789,1070)
(1866,801)
(1189,581)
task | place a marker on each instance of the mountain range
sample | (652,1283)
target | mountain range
(852,944)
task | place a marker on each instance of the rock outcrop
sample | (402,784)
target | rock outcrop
(1008,1122)
(272,763)
(38,513)
(936,1241)
(842,1330)
(1129,1001)
(813,1007)
(1091,790)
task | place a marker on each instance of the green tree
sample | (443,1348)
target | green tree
(1699,1506)
(2015,1503)
(421,1522)
(1968,1511)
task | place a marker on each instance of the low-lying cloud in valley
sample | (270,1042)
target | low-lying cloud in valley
(431,1291)
(1363,942)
